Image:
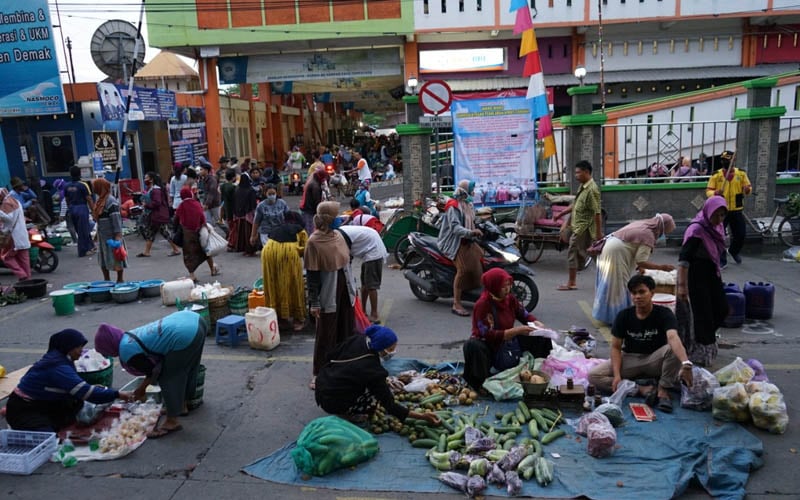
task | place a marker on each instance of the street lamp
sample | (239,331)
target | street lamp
(412,84)
(580,74)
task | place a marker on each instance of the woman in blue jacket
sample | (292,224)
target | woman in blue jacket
(50,395)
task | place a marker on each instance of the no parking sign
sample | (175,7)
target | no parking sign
(435,97)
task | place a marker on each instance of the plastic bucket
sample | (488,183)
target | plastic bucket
(63,302)
(103,377)
(664,299)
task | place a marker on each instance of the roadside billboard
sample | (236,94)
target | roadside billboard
(495,147)
(32,85)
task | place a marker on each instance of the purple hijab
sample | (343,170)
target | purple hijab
(107,339)
(713,237)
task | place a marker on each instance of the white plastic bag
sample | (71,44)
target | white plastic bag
(699,395)
(769,412)
(625,388)
(215,244)
(736,371)
(602,439)
(730,403)
(419,384)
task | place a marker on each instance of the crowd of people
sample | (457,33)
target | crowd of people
(313,251)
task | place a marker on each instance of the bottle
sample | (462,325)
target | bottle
(589,401)
(568,373)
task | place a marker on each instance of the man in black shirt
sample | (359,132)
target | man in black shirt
(645,345)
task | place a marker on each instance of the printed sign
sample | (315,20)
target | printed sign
(435,97)
(146,104)
(495,147)
(187,135)
(31,83)
(107,144)
(341,65)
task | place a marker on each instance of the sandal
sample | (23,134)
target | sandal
(142,255)
(566,287)
(216,271)
(163,431)
(460,312)
(651,399)
(173,254)
(665,405)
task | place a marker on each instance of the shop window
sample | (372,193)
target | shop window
(461,5)
(797,98)
(244,141)
(444,6)
(649,126)
(57,152)
(425,7)
(480,5)
(229,139)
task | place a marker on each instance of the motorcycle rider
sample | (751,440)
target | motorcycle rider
(456,242)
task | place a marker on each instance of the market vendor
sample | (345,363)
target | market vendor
(496,342)
(352,382)
(51,393)
(645,345)
(166,352)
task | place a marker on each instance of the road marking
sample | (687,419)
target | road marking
(601,327)
(24,310)
(385,310)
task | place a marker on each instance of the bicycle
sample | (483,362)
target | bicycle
(788,231)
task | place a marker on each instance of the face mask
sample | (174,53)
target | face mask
(386,356)
(272,197)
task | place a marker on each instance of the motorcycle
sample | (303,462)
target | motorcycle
(42,254)
(431,274)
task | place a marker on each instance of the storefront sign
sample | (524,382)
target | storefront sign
(187,135)
(31,83)
(495,147)
(146,104)
(462,60)
(107,144)
(341,66)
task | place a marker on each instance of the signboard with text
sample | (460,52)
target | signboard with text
(495,147)
(146,104)
(32,82)
(106,143)
(187,135)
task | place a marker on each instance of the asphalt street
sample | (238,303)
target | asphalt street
(257,401)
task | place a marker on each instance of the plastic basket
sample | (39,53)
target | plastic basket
(238,302)
(104,377)
(22,452)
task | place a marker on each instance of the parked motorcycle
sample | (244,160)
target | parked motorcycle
(431,274)
(42,254)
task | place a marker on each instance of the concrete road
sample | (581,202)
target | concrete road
(255,401)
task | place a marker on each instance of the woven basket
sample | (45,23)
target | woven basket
(222,300)
(670,289)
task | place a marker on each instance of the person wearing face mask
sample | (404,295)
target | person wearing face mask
(352,382)
(456,242)
(625,251)
(495,342)
(50,394)
(269,215)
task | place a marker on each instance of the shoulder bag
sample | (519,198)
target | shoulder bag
(596,248)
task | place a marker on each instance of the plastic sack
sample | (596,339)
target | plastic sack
(90,412)
(584,343)
(736,371)
(506,384)
(546,333)
(588,419)
(625,388)
(330,443)
(758,368)
(769,412)
(561,359)
(419,384)
(612,412)
(730,403)
(602,439)
(362,321)
(699,395)
(754,387)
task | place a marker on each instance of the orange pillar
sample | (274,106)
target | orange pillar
(411,65)
(268,134)
(277,127)
(208,77)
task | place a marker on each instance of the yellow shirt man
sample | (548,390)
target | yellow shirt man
(733,188)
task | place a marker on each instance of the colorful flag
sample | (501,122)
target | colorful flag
(545,134)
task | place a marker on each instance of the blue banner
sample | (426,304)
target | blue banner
(495,147)
(31,84)
(146,104)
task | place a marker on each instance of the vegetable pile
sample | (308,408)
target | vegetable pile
(330,443)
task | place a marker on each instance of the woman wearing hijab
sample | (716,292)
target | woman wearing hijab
(190,219)
(269,216)
(166,352)
(331,289)
(364,200)
(78,202)
(625,251)
(156,205)
(282,270)
(456,242)
(51,393)
(495,341)
(352,382)
(109,231)
(15,254)
(244,210)
(700,292)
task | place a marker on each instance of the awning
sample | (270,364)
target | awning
(630,76)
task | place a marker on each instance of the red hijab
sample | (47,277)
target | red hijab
(190,212)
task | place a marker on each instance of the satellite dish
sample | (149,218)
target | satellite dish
(112,48)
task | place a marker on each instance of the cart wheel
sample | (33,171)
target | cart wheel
(531,248)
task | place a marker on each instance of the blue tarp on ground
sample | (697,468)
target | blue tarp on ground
(659,457)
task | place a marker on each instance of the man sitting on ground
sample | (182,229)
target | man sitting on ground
(645,345)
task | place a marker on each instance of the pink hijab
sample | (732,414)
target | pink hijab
(712,236)
(646,232)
